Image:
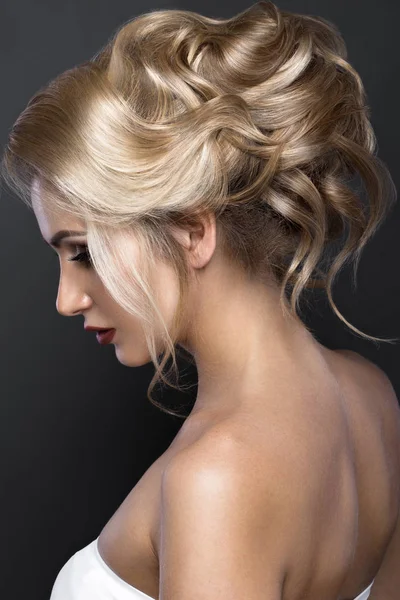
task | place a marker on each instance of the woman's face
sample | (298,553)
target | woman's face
(81,292)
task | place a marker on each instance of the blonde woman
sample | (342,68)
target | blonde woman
(192,178)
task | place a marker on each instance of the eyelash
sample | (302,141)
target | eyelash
(82,257)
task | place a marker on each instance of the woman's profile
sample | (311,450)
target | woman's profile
(195,178)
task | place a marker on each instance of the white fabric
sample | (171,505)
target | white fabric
(85,576)
(365,594)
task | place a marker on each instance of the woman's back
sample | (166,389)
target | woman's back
(340,444)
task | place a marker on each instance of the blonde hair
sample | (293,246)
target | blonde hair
(258,119)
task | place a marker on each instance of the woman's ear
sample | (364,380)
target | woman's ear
(198,239)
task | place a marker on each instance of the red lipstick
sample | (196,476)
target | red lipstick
(104,334)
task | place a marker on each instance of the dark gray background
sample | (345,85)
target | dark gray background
(77,431)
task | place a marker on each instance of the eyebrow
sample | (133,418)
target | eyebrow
(63,233)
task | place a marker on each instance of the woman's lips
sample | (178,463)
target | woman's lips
(105,337)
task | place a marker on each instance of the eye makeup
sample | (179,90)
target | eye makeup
(82,257)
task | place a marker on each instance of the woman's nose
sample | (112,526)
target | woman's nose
(71,300)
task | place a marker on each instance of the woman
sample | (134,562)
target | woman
(197,169)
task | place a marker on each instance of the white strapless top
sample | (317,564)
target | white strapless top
(85,576)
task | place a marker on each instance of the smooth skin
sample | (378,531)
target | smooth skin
(284,481)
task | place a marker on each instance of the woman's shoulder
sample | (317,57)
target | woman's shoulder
(371,381)
(367,366)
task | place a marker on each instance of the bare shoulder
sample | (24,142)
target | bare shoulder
(220,451)
(370,389)
(227,470)
(214,518)
(371,376)
(221,462)
(355,358)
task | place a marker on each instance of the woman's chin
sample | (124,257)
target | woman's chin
(131,359)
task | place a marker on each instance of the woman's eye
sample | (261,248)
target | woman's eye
(83,257)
